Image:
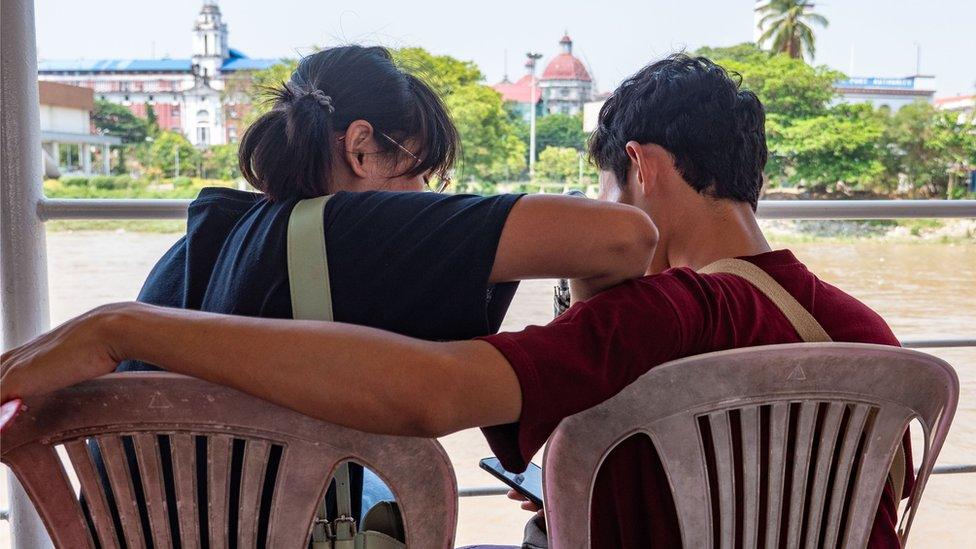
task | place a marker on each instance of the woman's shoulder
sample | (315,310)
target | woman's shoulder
(225,196)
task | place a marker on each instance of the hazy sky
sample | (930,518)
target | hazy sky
(614,38)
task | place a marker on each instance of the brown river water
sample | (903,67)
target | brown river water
(923,290)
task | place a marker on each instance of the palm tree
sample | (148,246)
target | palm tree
(788,24)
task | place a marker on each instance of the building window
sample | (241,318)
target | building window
(203,116)
(203,135)
(564,92)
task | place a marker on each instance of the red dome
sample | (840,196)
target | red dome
(566,67)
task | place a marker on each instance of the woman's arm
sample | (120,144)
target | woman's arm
(359,377)
(598,243)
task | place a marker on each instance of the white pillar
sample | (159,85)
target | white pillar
(56,153)
(85,150)
(106,160)
(23,260)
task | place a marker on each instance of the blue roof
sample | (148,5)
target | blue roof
(246,64)
(115,65)
(236,62)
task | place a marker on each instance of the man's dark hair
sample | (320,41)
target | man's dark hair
(695,110)
(288,151)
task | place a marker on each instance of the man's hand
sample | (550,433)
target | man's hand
(78,350)
(527,504)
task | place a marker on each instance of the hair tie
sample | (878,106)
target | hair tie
(319,96)
(324,100)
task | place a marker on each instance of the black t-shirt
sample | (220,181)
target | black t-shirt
(413,263)
(409,262)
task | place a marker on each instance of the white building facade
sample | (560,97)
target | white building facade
(186,95)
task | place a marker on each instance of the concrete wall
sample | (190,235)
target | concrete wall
(64,119)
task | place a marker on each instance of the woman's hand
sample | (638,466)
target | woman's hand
(80,349)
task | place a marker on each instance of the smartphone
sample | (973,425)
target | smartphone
(529,483)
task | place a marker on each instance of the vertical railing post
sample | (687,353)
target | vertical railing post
(23,258)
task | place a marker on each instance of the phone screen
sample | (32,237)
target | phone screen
(529,483)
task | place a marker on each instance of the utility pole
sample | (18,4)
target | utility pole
(530,63)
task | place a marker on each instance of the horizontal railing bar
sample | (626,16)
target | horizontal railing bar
(937,343)
(479,491)
(112,208)
(953,469)
(151,208)
(865,209)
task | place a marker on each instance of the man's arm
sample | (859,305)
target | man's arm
(359,377)
(552,236)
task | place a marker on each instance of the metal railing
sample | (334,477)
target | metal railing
(23,263)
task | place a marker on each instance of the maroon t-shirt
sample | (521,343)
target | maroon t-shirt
(598,347)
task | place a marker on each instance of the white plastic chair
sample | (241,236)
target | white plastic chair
(202,421)
(861,396)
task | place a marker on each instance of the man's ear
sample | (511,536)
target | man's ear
(357,143)
(644,169)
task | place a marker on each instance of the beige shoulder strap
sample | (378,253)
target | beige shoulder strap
(809,329)
(806,326)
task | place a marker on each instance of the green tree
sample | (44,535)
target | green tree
(490,144)
(788,23)
(926,148)
(152,121)
(165,149)
(558,164)
(445,74)
(220,162)
(843,145)
(118,121)
(560,130)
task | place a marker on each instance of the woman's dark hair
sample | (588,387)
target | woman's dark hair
(695,110)
(288,151)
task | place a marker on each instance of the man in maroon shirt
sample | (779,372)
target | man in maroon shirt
(680,141)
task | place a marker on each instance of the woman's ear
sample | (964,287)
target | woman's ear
(358,142)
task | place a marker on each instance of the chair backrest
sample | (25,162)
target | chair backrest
(784,440)
(178,424)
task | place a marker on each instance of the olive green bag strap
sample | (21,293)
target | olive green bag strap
(308,264)
(311,299)
(806,326)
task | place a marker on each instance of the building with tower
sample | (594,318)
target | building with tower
(195,96)
(564,86)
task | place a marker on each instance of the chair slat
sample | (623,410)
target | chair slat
(778,438)
(749,420)
(151,470)
(91,489)
(120,479)
(883,434)
(823,467)
(252,481)
(218,488)
(801,468)
(41,473)
(722,442)
(845,462)
(183,447)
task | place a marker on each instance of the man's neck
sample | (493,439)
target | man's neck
(722,230)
